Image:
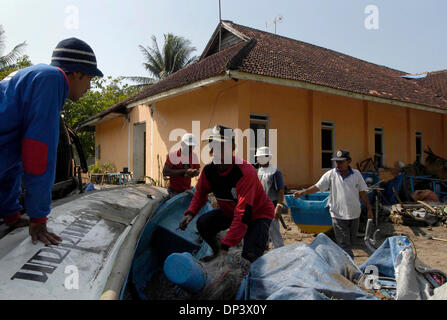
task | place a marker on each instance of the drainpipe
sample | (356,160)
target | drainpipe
(128,140)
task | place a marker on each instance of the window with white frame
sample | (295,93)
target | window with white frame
(327,144)
(419,148)
(379,147)
(260,126)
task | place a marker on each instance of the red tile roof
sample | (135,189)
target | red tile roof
(280,57)
(437,81)
(271,55)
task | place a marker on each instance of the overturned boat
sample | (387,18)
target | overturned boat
(94,226)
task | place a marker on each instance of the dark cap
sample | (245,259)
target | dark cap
(341,155)
(221,134)
(74,55)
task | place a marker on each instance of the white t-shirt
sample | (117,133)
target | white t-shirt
(344,200)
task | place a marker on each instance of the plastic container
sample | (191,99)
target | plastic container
(311,212)
(184,270)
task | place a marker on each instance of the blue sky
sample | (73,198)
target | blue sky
(410,37)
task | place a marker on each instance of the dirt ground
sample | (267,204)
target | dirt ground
(431,252)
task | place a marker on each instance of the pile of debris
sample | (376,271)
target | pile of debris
(419,214)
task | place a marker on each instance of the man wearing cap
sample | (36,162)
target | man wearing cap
(346,185)
(273,183)
(31,100)
(181,165)
(244,208)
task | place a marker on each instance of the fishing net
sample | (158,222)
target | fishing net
(224,276)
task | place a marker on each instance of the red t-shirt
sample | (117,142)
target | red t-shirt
(240,196)
(176,160)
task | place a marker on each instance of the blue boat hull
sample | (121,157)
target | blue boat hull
(162,237)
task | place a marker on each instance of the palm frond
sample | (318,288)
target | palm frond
(175,55)
(10,58)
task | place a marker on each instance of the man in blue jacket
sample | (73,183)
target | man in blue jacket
(31,100)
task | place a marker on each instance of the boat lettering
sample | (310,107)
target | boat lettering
(47,259)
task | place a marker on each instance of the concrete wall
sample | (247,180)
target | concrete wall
(112,137)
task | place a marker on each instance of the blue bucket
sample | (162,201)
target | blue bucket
(185,271)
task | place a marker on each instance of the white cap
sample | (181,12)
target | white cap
(263,152)
(189,140)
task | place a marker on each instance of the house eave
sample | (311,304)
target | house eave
(325,89)
(174,92)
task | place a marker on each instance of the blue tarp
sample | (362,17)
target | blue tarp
(319,271)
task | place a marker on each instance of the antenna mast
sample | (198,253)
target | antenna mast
(220,24)
(274,21)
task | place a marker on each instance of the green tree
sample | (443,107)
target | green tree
(8,60)
(21,63)
(105,93)
(175,55)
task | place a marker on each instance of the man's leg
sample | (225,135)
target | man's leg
(10,190)
(210,224)
(256,239)
(172,193)
(342,232)
(354,228)
(275,234)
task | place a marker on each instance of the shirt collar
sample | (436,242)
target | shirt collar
(349,173)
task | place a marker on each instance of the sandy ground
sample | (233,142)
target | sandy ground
(431,252)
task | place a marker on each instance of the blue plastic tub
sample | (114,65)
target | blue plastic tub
(311,212)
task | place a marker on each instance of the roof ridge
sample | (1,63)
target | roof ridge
(437,72)
(237,60)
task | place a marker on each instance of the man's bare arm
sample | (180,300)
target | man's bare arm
(305,192)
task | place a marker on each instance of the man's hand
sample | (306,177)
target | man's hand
(39,232)
(278,211)
(20,223)
(185,221)
(192,173)
(299,194)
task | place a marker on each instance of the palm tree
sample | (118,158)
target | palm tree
(9,59)
(176,54)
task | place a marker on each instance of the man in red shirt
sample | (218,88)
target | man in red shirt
(244,207)
(181,166)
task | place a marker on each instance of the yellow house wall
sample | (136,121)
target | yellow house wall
(433,133)
(288,112)
(112,137)
(209,106)
(295,113)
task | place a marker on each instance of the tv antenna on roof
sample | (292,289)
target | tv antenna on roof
(274,21)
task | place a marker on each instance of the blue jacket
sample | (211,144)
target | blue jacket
(30,104)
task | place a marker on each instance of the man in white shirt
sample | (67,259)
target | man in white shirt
(346,185)
(273,183)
